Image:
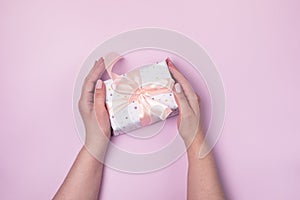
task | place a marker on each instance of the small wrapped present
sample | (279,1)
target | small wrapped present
(140,97)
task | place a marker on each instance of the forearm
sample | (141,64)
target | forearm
(203,180)
(83,180)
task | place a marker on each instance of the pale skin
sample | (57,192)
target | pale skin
(84,178)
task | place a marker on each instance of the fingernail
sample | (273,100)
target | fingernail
(168,60)
(170,64)
(99,84)
(177,88)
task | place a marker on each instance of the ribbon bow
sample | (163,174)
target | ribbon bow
(131,89)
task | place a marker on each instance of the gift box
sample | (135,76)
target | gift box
(140,97)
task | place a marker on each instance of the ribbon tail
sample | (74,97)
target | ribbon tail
(158,109)
(145,112)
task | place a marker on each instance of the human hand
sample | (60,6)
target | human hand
(189,123)
(93,111)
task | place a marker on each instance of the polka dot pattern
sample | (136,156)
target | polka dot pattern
(128,118)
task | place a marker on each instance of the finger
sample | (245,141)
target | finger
(99,96)
(90,80)
(183,105)
(100,108)
(99,99)
(186,86)
(97,70)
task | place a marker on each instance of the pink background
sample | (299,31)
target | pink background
(255,45)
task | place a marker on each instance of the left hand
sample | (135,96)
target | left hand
(93,111)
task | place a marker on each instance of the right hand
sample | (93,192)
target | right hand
(189,123)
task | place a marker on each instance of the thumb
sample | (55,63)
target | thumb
(184,107)
(99,98)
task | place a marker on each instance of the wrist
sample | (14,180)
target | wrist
(98,152)
(97,145)
(194,148)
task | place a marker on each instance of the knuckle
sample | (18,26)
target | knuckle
(99,97)
(99,106)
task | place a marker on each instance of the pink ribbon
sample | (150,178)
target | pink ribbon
(131,90)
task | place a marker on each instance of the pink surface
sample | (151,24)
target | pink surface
(255,45)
